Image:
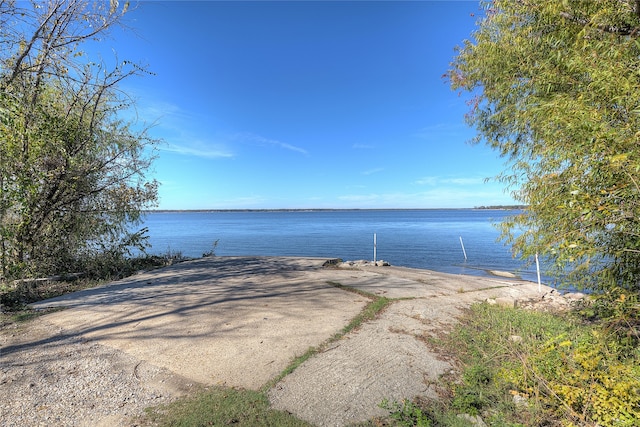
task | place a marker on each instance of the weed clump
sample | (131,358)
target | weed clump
(560,370)
(523,368)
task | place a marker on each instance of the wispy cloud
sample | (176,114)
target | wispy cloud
(372,171)
(453,197)
(202,151)
(189,133)
(147,109)
(251,137)
(465,181)
(427,180)
(180,131)
(160,112)
(432,192)
(438,180)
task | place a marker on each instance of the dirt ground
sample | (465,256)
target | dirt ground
(236,321)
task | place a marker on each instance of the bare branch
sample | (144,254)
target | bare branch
(34,38)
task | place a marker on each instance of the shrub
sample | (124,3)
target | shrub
(406,414)
(565,371)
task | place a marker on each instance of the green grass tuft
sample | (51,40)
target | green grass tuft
(220,406)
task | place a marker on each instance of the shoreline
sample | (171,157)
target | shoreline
(482,272)
(477,208)
(488,273)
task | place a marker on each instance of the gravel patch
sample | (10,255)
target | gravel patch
(48,378)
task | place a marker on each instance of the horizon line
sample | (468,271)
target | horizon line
(492,207)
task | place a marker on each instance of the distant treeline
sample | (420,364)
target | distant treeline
(504,207)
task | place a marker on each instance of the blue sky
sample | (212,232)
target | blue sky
(333,104)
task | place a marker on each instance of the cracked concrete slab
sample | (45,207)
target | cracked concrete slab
(239,321)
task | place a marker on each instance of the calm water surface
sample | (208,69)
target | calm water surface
(412,238)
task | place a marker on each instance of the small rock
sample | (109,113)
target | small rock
(574,296)
(506,274)
(473,419)
(520,401)
(362,263)
(515,338)
(506,302)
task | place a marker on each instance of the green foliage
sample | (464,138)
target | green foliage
(619,312)
(406,414)
(581,379)
(556,93)
(595,385)
(560,371)
(474,393)
(220,407)
(72,172)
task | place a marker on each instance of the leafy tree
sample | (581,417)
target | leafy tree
(556,91)
(72,178)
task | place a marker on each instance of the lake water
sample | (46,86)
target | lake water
(412,238)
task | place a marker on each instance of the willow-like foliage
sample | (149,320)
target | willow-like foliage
(555,90)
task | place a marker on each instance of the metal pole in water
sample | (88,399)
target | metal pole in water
(538,271)
(463,251)
(374,247)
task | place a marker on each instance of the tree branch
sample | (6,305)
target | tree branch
(625,30)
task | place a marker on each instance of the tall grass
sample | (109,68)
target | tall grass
(524,368)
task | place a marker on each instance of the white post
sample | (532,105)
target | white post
(463,251)
(374,247)
(538,271)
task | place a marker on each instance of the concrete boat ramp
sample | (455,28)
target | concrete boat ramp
(239,321)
